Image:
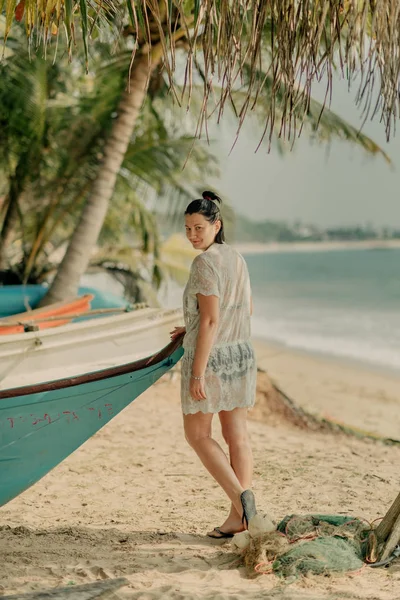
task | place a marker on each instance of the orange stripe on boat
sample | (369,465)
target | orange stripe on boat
(59,309)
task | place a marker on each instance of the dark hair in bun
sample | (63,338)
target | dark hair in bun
(208,206)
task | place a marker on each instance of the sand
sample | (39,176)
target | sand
(135,501)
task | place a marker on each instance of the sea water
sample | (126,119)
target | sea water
(343,303)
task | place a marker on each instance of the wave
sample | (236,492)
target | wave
(365,347)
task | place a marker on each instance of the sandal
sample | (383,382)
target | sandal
(249,506)
(220,534)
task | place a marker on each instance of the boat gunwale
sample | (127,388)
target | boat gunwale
(88,324)
(100,375)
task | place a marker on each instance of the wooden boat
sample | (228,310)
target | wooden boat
(38,317)
(42,423)
(84,346)
(15,299)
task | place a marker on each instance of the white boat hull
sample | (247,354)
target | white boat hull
(83,347)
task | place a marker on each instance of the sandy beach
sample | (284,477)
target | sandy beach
(135,501)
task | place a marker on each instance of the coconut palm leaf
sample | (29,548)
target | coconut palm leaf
(318,121)
(306,38)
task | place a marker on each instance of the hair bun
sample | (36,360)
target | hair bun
(211,196)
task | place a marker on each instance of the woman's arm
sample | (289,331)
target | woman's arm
(209,318)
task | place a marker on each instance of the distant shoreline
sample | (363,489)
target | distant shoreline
(260,248)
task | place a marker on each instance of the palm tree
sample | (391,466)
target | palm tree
(65,162)
(88,229)
(163,32)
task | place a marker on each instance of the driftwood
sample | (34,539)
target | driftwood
(87,591)
(386,525)
(388,530)
(392,541)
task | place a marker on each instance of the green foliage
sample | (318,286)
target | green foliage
(64,121)
(246,230)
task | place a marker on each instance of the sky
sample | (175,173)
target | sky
(337,186)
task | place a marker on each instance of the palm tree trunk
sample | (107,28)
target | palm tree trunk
(10,218)
(6,231)
(76,259)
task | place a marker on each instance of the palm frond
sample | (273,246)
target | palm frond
(318,121)
(304,40)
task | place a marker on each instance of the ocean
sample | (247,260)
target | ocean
(342,303)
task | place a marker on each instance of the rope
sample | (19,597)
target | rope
(8,370)
(268,564)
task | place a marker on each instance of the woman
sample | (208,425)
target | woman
(218,366)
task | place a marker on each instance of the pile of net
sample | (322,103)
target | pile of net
(302,545)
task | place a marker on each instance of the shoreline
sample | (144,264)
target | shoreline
(347,391)
(340,360)
(276,247)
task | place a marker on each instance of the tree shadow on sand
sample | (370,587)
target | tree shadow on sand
(45,558)
(191,566)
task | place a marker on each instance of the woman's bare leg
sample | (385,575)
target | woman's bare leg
(234,431)
(198,434)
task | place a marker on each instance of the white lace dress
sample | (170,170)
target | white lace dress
(230,376)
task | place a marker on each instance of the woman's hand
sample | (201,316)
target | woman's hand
(196,389)
(177,332)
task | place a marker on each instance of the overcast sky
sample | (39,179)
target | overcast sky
(341,187)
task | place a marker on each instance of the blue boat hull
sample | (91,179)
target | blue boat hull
(15,298)
(38,430)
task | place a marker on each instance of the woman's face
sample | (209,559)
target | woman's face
(200,232)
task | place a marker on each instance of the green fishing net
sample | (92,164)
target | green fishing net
(317,544)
